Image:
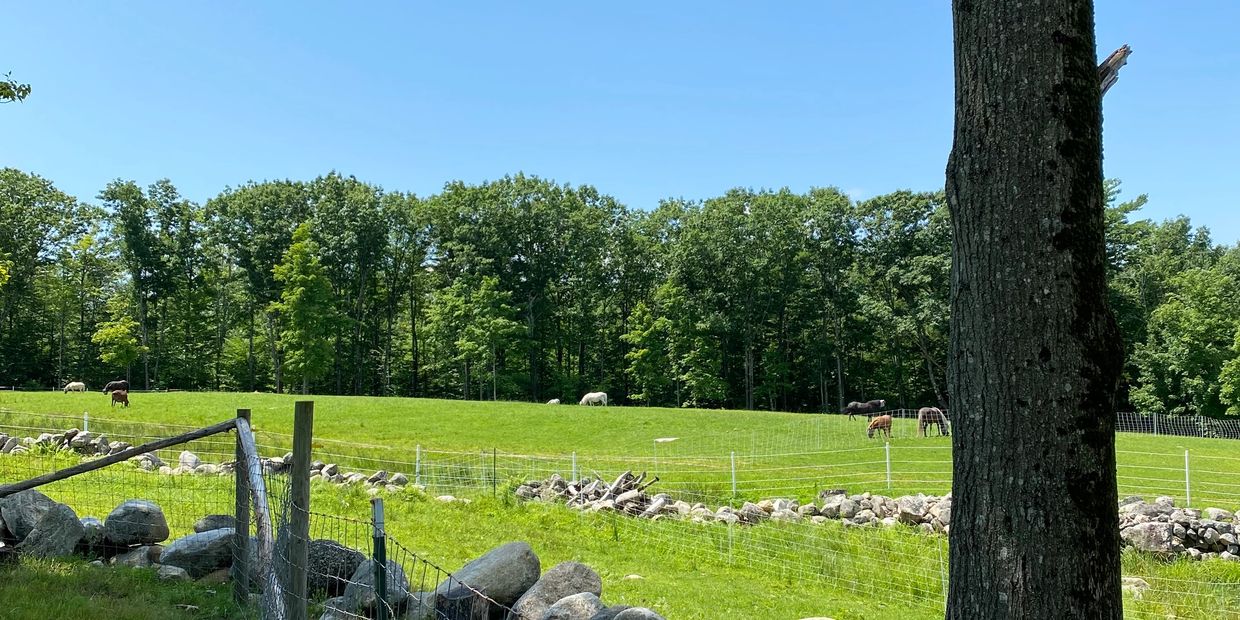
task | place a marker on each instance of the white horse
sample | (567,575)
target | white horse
(75,386)
(594,398)
(553,401)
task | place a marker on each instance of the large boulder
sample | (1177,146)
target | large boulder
(1152,537)
(201,553)
(610,613)
(911,509)
(215,522)
(503,574)
(331,564)
(55,535)
(581,606)
(23,510)
(359,595)
(136,522)
(564,579)
(140,557)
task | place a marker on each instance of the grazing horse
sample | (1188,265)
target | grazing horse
(594,398)
(75,386)
(927,416)
(120,396)
(868,408)
(553,401)
(880,423)
(119,384)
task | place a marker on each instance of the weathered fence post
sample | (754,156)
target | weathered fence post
(241,533)
(1188,492)
(417,464)
(733,473)
(380,558)
(299,522)
(887,449)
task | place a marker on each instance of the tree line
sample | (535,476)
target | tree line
(525,289)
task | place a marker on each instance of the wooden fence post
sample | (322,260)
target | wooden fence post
(299,522)
(241,533)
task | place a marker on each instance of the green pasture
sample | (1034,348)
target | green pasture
(481,450)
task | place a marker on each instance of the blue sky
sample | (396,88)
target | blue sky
(644,101)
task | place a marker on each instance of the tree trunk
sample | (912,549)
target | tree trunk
(1035,353)
(250,356)
(413,338)
(839,363)
(146,358)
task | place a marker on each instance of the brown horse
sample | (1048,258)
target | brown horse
(927,416)
(880,423)
(120,396)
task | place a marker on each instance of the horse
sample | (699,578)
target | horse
(594,398)
(75,386)
(120,396)
(867,408)
(931,415)
(119,384)
(880,423)
(553,401)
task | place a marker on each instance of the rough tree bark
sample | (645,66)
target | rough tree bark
(1035,352)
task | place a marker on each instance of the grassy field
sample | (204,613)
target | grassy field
(476,449)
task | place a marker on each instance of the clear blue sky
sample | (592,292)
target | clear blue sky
(642,100)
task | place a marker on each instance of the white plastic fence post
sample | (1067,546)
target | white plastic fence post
(85,421)
(888,451)
(1155,414)
(733,473)
(417,464)
(1188,492)
(574,465)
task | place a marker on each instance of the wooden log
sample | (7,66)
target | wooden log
(273,598)
(112,459)
(241,534)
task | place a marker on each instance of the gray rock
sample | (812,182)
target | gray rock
(564,579)
(1152,537)
(911,509)
(202,553)
(136,522)
(93,537)
(9,445)
(140,557)
(638,613)
(23,510)
(167,572)
(399,479)
(610,613)
(1136,586)
(333,609)
(1210,536)
(55,535)
(360,593)
(503,573)
(331,469)
(188,460)
(82,440)
(582,606)
(1218,514)
(215,522)
(379,476)
(831,506)
(849,509)
(1229,556)
(331,564)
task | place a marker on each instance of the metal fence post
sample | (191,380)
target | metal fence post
(299,515)
(733,473)
(380,558)
(417,464)
(241,533)
(1188,492)
(887,449)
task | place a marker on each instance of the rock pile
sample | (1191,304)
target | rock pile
(82,442)
(1161,528)
(627,495)
(505,578)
